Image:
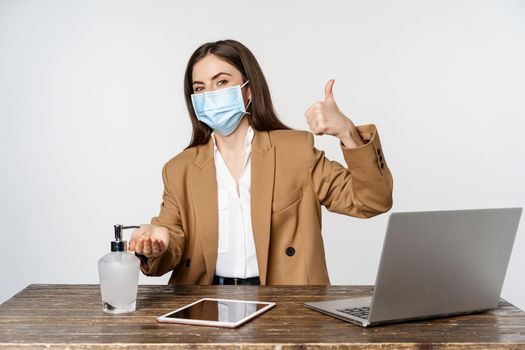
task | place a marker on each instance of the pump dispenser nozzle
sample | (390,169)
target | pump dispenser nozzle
(118,245)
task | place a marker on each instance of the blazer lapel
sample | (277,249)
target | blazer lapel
(203,186)
(262,179)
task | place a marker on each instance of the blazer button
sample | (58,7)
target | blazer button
(382,165)
(290,251)
(378,151)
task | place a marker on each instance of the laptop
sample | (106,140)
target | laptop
(435,264)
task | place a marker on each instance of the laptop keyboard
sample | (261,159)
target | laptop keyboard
(361,312)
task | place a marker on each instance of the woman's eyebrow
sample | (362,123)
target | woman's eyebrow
(213,78)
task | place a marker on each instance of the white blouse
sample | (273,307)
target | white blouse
(236,249)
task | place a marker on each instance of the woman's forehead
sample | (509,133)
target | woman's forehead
(211,65)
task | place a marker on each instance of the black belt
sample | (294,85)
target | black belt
(252,281)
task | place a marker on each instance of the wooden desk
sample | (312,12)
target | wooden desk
(60,316)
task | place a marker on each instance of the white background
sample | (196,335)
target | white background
(91,107)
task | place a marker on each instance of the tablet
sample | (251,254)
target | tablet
(217,312)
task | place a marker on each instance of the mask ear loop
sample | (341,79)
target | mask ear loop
(245,108)
(249,101)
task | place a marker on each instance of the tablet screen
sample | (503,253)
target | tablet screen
(231,311)
(217,312)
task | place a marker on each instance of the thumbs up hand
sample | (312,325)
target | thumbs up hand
(324,117)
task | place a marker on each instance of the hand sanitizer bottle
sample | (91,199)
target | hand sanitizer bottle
(119,276)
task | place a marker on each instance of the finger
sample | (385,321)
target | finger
(155,250)
(135,237)
(162,247)
(317,128)
(139,247)
(309,112)
(311,124)
(314,127)
(328,90)
(318,131)
(147,247)
(309,118)
(133,241)
(131,246)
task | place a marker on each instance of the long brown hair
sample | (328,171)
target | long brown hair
(262,117)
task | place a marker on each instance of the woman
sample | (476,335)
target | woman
(242,203)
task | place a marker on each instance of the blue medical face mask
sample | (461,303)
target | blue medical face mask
(221,110)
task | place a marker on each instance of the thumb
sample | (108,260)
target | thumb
(328,93)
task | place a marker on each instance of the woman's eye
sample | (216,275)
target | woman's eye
(221,82)
(198,88)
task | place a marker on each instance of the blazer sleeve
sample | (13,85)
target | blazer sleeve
(170,218)
(364,189)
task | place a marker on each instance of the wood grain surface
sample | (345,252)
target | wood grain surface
(70,316)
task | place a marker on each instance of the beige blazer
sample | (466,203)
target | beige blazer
(290,181)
